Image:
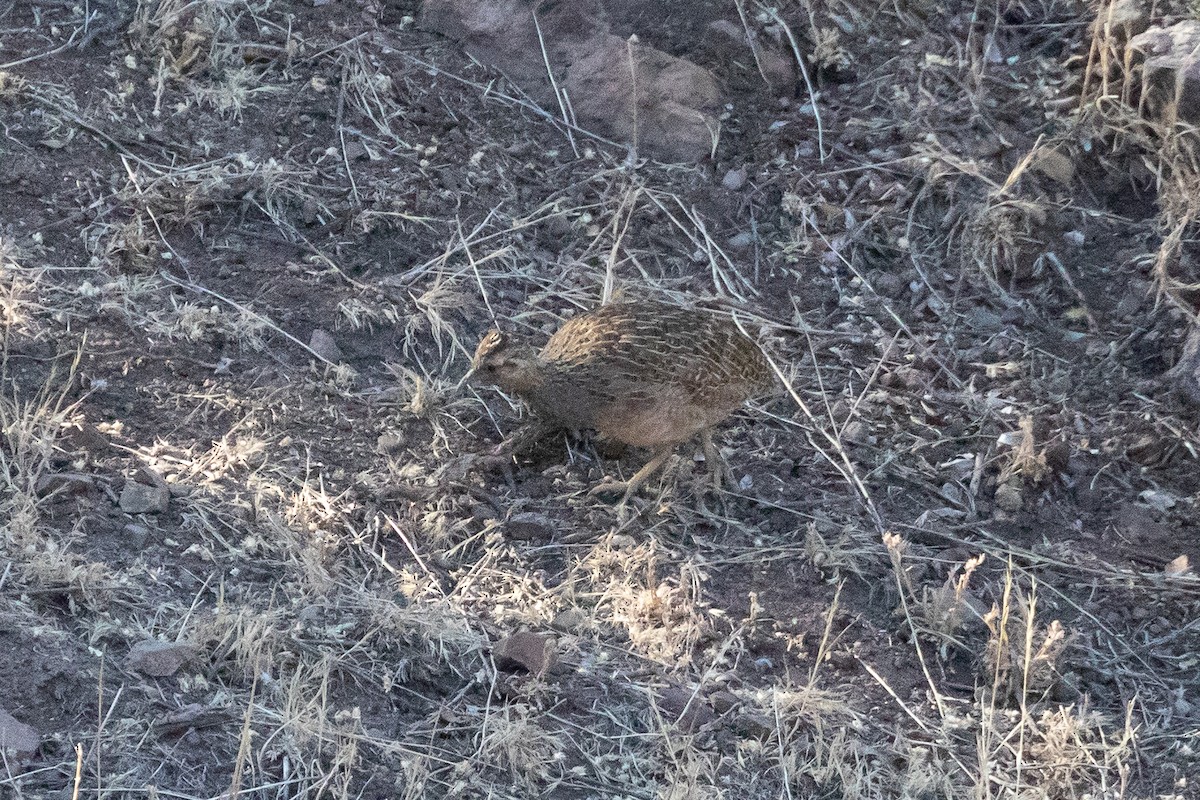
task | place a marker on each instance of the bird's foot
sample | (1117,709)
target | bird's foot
(622,489)
(611,488)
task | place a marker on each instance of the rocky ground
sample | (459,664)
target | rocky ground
(247,248)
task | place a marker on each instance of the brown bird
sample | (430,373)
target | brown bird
(647,374)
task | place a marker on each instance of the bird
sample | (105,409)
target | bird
(647,374)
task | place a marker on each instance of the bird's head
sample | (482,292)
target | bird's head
(506,361)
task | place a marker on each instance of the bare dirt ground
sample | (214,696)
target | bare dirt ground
(958,561)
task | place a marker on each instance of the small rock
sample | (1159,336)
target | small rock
(1009,498)
(954,493)
(734,179)
(390,442)
(159,659)
(888,284)
(526,651)
(322,343)
(1132,299)
(991,52)
(857,432)
(16,737)
(981,319)
(723,701)
(1058,456)
(136,535)
(138,498)
(83,436)
(844,660)
(1180,565)
(677,101)
(529,525)
(741,240)
(569,620)
(756,726)
(1170,71)
(1054,164)
(735,32)
(1147,450)
(779,70)
(1158,500)
(309,211)
(1121,20)
(64,484)
(685,709)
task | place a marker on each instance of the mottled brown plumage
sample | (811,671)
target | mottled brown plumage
(647,374)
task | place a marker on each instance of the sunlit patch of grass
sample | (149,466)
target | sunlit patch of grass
(515,739)
(21,311)
(193,322)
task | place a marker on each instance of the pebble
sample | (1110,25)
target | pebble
(526,651)
(741,241)
(16,737)
(529,525)
(159,659)
(138,498)
(322,343)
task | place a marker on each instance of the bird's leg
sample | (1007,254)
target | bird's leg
(631,486)
(718,468)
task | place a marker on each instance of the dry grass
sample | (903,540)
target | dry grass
(859,618)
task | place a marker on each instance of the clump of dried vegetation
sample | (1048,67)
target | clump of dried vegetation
(920,586)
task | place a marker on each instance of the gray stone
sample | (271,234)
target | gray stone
(664,105)
(723,701)
(888,284)
(1009,498)
(138,498)
(159,659)
(390,442)
(1121,21)
(136,535)
(684,708)
(64,484)
(740,241)
(755,726)
(322,343)
(569,620)
(526,651)
(16,737)
(1170,70)
(530,525)
(620,88)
